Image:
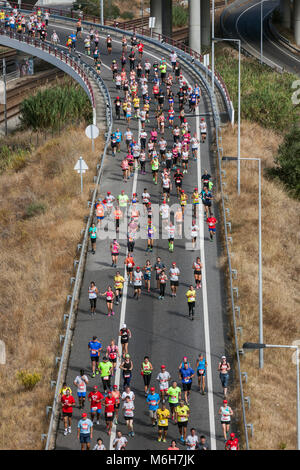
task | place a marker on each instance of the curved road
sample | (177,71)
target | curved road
(243,22)
(160,329)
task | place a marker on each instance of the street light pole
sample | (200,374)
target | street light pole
(239,109)
(261,31)
(261,346)
(213,47)
(101,13)
(260,286)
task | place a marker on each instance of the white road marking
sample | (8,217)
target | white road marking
(211,410)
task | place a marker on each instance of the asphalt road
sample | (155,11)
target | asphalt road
(244,23)
(160,329)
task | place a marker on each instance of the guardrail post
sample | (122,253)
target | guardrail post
(48,408)
(240,329)
(245,376)
(241,352)
(248,401)
(250,426)
(61,338)
(43,437)
(236,290)
(57,360)
(229,225)
(229,239)
(234,273)
(238,310)
(66,315)
(75,263)
(52,383)
(69,297)
(72,279)
(79,246)
(228,211)
(223,172)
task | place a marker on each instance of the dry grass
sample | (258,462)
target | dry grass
(273,389)
(36,261)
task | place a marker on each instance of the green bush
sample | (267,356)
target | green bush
(287,162)
(12,157)
(180,16)
(35,208)
(127,15)
(28,379)
(55,107)
(265,94)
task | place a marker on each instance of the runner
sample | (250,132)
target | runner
(173,445)
(192,441)
(197,267)
(203,444)
(109,44)
(158,267)
(226,412)
(105,368)
(232,443)
(153,401)
(194,233)
(125,334)
(99,445)
(224,368)
(182,413)
(120,442)
(119,284)
(109,294)
(114,249)
(93,237)
(128,407)
(85,432)
(178,177)
(146,372)
(81,382)
(201,366)
(186,373)
(129,262)
(67,401)
(207,200)
(191,298)
(203,130)
(174,279)
(137,282)
(109,404)
(154,167)
(150,231)
(147,274)
(171,234)
(183,200)
(174,394)
(162,284)
(126,366)
(145,199)
(117,216)
(95,347)
(112,353)
(211,221)
(163,415)
(163,379)
(93,294)
(116,394)
(95,398)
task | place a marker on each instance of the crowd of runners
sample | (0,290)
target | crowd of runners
(157,100)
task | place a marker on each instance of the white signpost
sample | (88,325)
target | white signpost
(92,132)
(81,168)
(206,62)
(151,23)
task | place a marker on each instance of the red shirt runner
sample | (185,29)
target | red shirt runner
(232,444)
(109,406)
(68,403)
(211,222)
(95,397)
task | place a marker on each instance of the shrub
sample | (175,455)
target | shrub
(11,157)
(55,107)
(287,162)
(35,208)
(127,15)
(180,16)
(28,379)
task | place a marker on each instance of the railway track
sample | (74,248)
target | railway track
(16,94)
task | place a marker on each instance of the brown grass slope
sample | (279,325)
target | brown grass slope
(36,259)
(272,390)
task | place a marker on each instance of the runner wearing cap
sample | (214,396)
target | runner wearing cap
(137,282)
(226,412)
(232,443)
(163,378)
(95,398)
(85,431)
(153,400)
(125,334)
(146,372)
(116,394)
(174,278)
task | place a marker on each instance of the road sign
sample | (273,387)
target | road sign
(92,131)
(81,168)
(152,22)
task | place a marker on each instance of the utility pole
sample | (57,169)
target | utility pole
(4,96)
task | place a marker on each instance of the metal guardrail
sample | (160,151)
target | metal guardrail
(195,66)
(273,30)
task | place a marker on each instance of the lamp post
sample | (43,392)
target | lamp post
(261,30)
(239,107)
(260,296)
(101,13)
(262,346)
